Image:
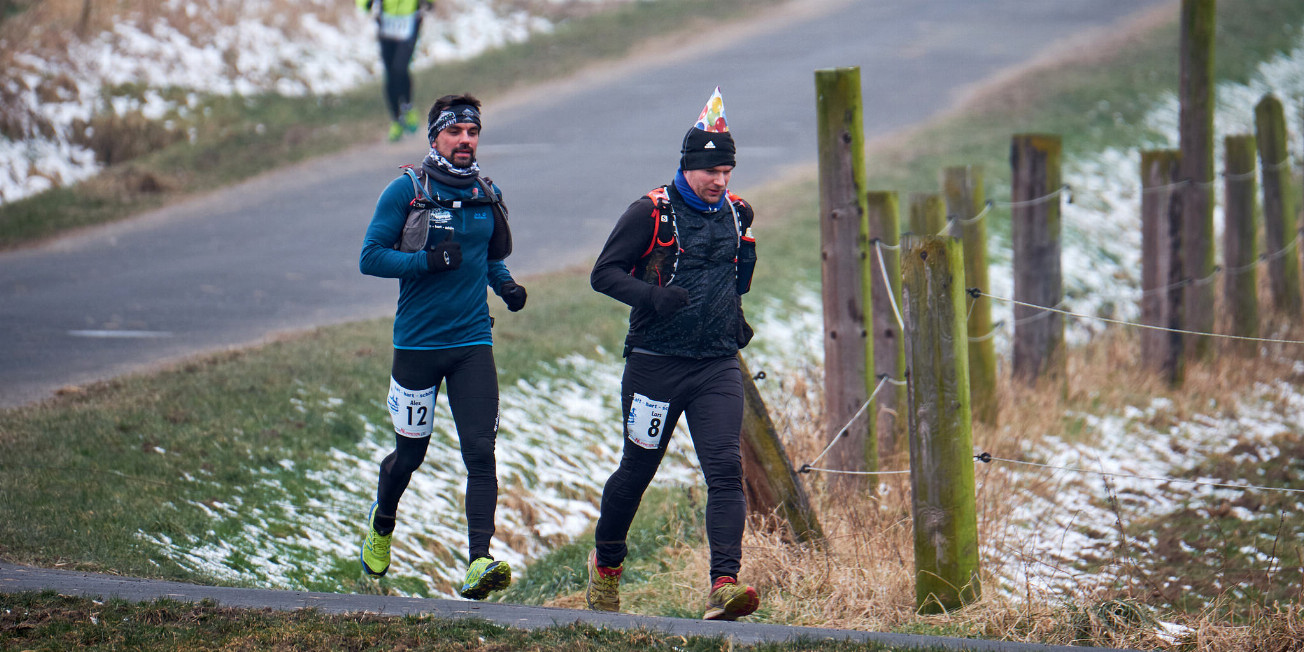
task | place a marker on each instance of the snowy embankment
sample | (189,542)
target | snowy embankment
(1102,268)
(160,66)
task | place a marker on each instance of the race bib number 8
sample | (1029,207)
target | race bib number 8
(411,410)
(646,421)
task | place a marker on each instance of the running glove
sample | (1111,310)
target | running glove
(445,256)
(667,301)
(513,295)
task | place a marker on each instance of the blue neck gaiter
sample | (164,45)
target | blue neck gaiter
(694,202)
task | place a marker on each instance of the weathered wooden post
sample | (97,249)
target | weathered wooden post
(927,213)
(889,359)
(844,234)
(1160,259)
(1035,231)
(965,202)
(769,480)
(1240,249)
(1279,219)
(1196,132)
(941,443)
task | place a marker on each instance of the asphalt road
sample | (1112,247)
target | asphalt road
(15,579)
(279,253)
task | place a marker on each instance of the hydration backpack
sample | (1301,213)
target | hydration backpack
(659,262)
(422,216)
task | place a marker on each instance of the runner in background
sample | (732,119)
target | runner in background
(399,24)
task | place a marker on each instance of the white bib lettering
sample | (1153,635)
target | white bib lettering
(397,28)
(646,421)
(411,410)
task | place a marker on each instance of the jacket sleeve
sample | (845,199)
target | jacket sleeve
(497,275)
(628,242)
(379,258)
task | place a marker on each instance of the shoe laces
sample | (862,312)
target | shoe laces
(380,542)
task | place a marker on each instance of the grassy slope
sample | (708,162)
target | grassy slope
(223,415)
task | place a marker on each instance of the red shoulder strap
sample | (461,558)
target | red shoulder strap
(660,201)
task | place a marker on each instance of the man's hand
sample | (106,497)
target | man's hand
(513,295)
(667,301)
(445,256)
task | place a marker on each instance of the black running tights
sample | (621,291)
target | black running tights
(473,397)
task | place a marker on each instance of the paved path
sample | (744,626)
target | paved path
(280,252)
(15,579)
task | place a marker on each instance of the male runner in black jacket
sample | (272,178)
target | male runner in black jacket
(690,250)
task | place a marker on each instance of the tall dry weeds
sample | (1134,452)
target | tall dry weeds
(862,577)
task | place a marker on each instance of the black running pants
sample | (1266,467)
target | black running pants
(397,57)
(710,393)
(473,398)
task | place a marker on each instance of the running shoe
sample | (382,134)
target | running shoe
(603,592)
(375,548)
(395,131)
(411,121)
(730,600)
(484,577)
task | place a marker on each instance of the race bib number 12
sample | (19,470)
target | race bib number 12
(646,421)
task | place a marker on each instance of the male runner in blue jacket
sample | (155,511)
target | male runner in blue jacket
(442,327)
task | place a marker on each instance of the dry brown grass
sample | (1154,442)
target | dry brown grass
(863,577)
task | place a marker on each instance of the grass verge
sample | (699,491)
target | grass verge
(47,621)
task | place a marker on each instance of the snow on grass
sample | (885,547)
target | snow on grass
(1061,514)
(316,49)
(559,439)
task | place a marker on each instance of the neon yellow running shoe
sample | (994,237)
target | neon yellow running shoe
(603,592)
(484,577)
(730,601)
(375,548)
(395,131)
(411,121)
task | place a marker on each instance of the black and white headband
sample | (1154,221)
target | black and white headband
(459,113)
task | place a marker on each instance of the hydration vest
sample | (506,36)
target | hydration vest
(421,214)
(657,265)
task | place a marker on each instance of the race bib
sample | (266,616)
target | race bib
(646,421)
(397,28)
(411,410)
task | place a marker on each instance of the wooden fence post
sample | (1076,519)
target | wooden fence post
(889,359)
(1279,219)
(1035,231)
(965,201)
(1160,258)
(1240,247)
(769,480)
(927,213)
(1196,130)
(844,234)
(941,443)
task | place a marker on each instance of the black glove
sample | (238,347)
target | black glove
(513,295)
(667,301)
(445,256)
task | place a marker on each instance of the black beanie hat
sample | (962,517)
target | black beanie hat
(706,149)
